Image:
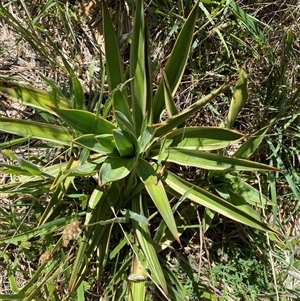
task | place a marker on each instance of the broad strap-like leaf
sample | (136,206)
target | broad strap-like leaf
(114,169)
(85,122)
(176,63)
(166,126)
(114,67)
(200,138)
(39,130)
(137,69)
(33,97)
(155,188)
(209,200)
(209,161)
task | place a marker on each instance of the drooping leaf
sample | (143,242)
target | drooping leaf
(33,97)
(43,131)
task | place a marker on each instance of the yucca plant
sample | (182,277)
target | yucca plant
(131,155)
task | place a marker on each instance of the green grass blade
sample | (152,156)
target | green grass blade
(249,21)
(11,143)
(217,30)
(45,229)
(12,297)
(158,194)
(26,128)
(209,161)
(176,63)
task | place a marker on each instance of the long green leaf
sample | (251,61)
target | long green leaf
(209,161)
(26,128)
(209,200)
(112,54)
(201,138)
(85,122)
(114,68)
(33,97)
(45,229)
(176,63)
(83,252)
(138,69)
(166,126)
(158,194)
(12,296)
(147,245)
